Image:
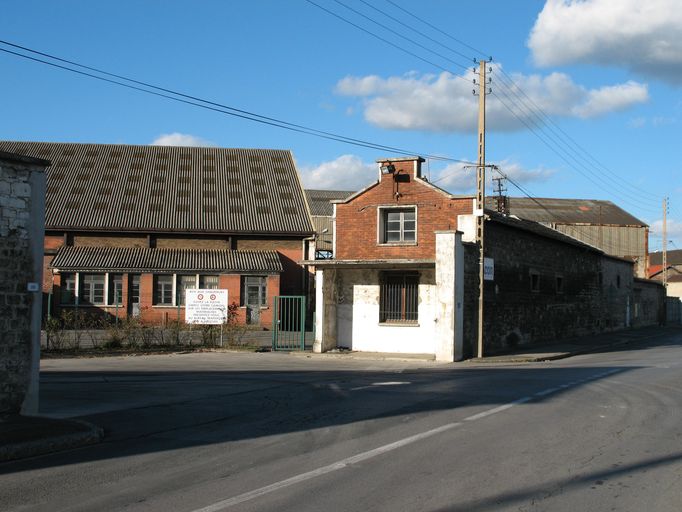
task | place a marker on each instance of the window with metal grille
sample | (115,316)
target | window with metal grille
(91,289)
(399,297)
(163,289)
(398,225)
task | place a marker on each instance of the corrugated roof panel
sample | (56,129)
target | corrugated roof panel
(319,200)
(162,188)
(136,259)
(569,211)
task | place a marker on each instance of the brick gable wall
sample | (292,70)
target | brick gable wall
(357,221)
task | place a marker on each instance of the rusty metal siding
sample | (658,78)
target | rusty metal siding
(137,259)
(615,240)
(170,189)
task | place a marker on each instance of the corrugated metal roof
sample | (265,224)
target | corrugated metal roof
(319,200)
(569,211)
(170,188)
(538,229)
(136,259)
(672,258)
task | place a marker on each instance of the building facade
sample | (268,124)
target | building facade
(129,228)
(405,276)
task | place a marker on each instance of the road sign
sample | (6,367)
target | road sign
(205,306)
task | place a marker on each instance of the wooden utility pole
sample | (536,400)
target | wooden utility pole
(665,244)
(480,195)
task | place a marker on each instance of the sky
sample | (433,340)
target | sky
(585,102)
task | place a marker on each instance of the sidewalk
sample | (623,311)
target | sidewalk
(576,346)
(28,436)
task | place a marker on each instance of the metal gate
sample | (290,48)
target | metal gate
(288,323)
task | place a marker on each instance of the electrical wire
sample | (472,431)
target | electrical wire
(405,50)
(170,94)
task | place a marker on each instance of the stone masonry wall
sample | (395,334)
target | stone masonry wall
(578,292)
(17,269)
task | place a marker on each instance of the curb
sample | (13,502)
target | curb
(91,435)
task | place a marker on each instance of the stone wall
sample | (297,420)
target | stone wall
(22,199)
(577,291)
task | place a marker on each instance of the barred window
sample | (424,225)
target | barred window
(399,297)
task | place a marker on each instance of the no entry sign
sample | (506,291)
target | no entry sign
(205,306)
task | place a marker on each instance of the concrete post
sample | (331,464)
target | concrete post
(449,296)
(325,311)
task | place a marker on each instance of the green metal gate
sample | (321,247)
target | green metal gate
(288,323)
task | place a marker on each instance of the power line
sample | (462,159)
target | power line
(628,197)
(202,103)
(535,110)
(483,54)
(405,50)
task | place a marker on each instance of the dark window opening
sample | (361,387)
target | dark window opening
(559,284)
(534,282)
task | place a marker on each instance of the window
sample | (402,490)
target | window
(534,282)
(398,297)
(185,282)
(91,289)
(618,281)
(68,289)
(163,289)
(254,291)
(115,289)
(134,288)
(398,225)
(208,282)
(560,284)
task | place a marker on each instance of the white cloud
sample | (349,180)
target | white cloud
(674,231)
(181,139)
(347,172)
(444,103)
(643,36)
(458,180)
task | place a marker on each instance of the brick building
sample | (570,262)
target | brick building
(129,228)
(404,277)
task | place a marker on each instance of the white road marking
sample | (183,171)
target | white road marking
(360,457)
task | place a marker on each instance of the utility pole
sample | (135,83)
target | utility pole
(480,194)
(665,244)
(501,200)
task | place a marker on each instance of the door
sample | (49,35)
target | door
(255,297)
(134,295)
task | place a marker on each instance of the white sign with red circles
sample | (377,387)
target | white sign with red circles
(206,307)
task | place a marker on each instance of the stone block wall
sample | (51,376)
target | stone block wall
(22,199)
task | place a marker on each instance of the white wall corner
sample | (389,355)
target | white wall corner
(467,225)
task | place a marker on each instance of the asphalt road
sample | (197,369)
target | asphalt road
(274,432)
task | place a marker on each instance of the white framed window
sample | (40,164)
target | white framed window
(163,289)
(397,225)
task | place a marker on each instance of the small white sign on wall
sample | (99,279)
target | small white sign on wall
(207,307)
(488,269)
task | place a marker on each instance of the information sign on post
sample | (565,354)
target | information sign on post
(206,307)
(488,269)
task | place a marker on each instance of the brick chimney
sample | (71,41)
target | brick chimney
(410,165)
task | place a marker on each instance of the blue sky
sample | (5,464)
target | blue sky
(598,81)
